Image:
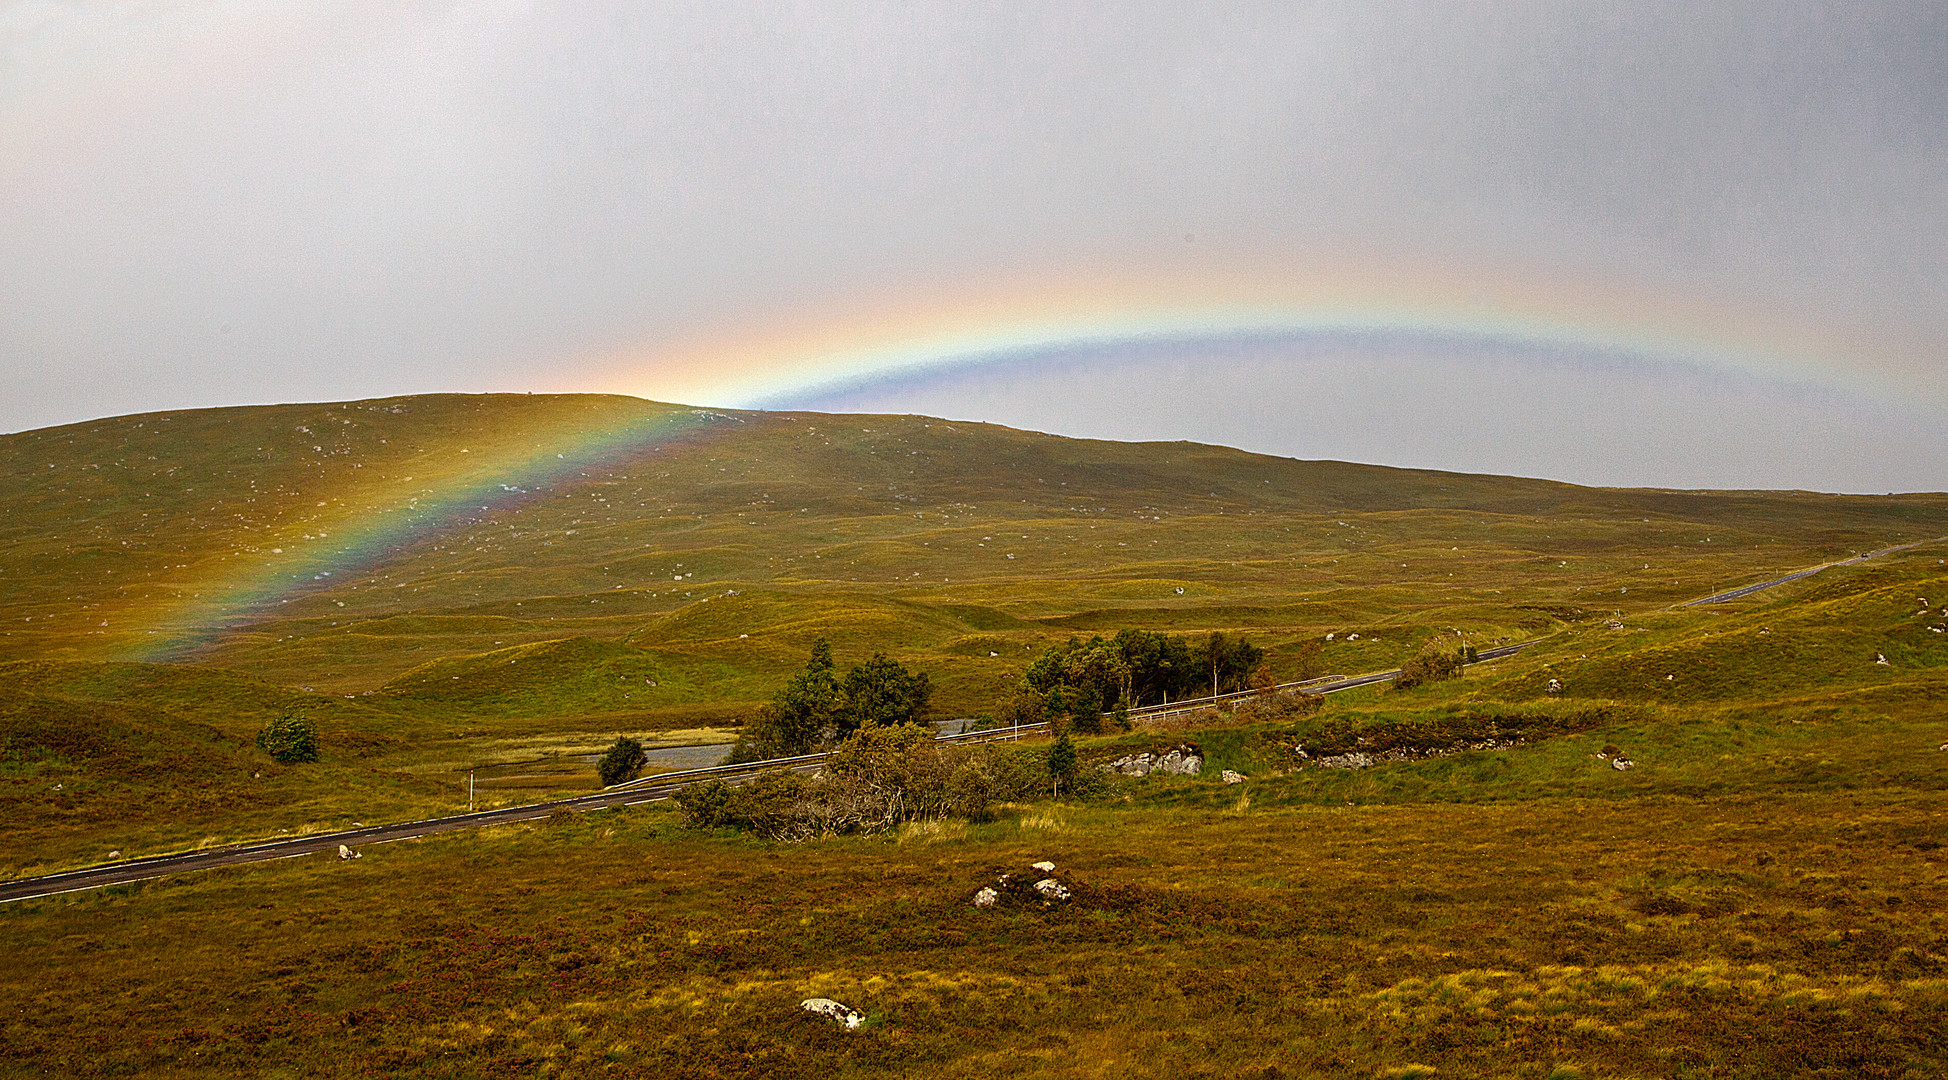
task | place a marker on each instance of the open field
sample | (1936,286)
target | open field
(503,584)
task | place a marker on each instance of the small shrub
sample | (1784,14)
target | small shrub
(764,806)
(1061,764)
(1278,707)
(1431,664)
(290,739)
(623,761)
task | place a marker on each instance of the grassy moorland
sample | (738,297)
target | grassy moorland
(1759,896)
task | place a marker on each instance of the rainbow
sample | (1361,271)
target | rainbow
(376,524)
(803,355)
(799,358)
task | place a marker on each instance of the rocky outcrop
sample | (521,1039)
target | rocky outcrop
(1185,759)
(1354,760)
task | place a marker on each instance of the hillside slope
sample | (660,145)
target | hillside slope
(339,545)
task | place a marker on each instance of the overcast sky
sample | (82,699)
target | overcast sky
(221,203)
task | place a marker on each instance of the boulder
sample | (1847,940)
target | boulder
(1044,866)
(832,1010)
(1052,889)
(1231,777)
(986,897)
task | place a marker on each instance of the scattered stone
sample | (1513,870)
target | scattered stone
(1354,760)
(1044,866)
(347,853)
(1231,777)
(1186,759)
(1052,889)
(986,897)
(832,1010)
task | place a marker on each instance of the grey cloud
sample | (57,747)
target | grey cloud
(204,203)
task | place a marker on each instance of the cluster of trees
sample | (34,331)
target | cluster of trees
(1083,679)
(820,708)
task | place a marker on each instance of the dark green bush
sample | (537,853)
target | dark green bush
(623,761)
(290,739)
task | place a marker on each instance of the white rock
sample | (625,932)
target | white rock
(1052,889)
(1555,686)
(1044,866)
(1622,763)
(832,1010)
(1233,777)
(1881,658)
(986,897)
(347,853)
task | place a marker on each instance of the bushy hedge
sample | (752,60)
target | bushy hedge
(1431,664)
(878,778)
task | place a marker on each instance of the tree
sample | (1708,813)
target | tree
(290,739)
(1159,666)
(817,708)
(1061,764)
(623,761)
(1225,662)
(799,715)
(882,692)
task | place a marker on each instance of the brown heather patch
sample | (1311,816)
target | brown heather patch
(1789,936)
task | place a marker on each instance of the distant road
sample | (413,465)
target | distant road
(646,789)
(1717,598)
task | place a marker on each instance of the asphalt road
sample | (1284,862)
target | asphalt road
(1718,598)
